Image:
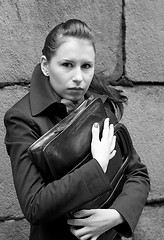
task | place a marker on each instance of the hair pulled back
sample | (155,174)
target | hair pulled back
(71,28)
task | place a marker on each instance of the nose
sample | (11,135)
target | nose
(78,76)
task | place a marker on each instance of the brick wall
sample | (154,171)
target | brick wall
(130,47)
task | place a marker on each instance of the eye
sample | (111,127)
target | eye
(86,65)
(67,64)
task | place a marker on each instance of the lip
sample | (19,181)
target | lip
(76,89)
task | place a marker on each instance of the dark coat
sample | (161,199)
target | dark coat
(43,203)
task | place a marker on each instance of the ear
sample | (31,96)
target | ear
(44,66)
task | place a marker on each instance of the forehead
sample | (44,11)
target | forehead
(71,47)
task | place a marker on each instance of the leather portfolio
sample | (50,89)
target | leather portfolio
(67,146)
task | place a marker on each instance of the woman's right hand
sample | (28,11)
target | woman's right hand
(103,150)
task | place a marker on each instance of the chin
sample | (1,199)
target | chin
(75,98)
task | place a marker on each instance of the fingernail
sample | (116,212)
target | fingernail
(96,125)
(76,214)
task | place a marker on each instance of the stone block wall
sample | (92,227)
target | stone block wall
(130,47)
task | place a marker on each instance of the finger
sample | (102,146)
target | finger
(80,232)
(72,222)
(111,130)
(112,154)
(76,222)
(105,132)
(88,212)
(74,232)
(82,213)
(86,237)
(95,132)
(113,143)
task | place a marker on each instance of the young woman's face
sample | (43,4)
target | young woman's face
(71,69)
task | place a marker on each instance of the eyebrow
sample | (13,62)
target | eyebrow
(70,60)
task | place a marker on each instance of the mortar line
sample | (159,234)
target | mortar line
(11,218)
(149,83)
(20,83)
(123,38)
(155,202)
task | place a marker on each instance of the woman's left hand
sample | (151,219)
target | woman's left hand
(90,224)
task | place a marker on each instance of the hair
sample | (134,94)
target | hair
(78,29)
(101,84)
(71,28)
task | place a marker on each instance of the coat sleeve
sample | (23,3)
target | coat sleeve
(41,202)
(132,199)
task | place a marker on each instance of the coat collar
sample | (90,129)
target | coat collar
(42,95)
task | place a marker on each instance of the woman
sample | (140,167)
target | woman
(63,79)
